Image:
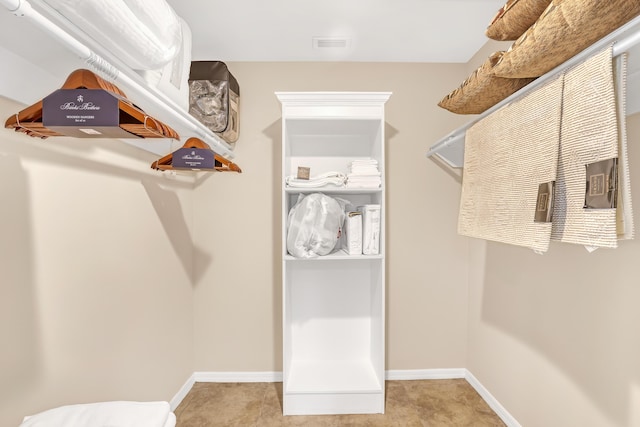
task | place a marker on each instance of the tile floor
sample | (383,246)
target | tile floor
(419,403)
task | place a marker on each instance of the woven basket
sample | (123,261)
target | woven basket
(565,28)
(481,90)
(514,18)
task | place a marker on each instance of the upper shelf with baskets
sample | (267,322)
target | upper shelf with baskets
(625,40)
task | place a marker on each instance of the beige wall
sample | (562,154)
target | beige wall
(106,293)
(108,296)
(237,221)
(95,264)
(556,338)
(484,52)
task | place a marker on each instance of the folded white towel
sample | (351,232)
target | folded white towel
(364,181)
(364,162)
(328,178)
(365,172)
(362,185)
(112,414)
(364,167)
(364,178)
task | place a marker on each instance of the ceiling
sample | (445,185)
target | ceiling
(283,30)
(376,30)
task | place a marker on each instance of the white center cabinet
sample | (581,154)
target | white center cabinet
(333,305)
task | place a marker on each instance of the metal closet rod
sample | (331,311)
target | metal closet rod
(22,8)
(623,39)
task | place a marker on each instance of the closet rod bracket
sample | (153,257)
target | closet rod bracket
(19,8)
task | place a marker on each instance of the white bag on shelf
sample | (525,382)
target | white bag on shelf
(314,225)
(352,233)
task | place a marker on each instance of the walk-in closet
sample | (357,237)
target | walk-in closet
(350,213)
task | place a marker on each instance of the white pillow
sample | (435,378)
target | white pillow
(144,34)
(173,79)
(112,414)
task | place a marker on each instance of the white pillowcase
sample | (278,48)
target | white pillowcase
(173,79)
(144,34)
(112,414)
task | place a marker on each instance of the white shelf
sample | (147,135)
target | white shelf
(329,189)
(338,255)
(333,376)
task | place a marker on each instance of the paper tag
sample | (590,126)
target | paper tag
(83,113)
(193,158)
(544,204)
(602,184)
(303,172)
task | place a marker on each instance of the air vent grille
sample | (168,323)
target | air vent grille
(331,42)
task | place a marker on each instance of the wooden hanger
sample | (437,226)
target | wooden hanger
(222,164)
(132,119)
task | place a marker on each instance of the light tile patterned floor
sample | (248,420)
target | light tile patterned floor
(419,403)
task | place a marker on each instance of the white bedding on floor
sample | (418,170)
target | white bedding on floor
(171,420)
(144,34)
(111,414)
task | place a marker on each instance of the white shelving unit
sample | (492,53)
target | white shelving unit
(333,305)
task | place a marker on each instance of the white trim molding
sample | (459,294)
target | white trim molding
(393,375)
(426,374)
(182,393)
(238,377)
(493,403)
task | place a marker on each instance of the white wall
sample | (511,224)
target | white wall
(237,222)
(556,338)
(96,293)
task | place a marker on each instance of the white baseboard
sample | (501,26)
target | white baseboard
(182,393)
(493,403)
(269,377)
(425,374)
(238,377)
(393,375)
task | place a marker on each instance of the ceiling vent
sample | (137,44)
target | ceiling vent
(331,42)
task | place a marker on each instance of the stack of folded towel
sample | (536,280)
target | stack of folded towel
(328,178)
(364,173)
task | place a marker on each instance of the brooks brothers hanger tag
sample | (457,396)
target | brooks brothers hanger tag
(193,158)
(83,113)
